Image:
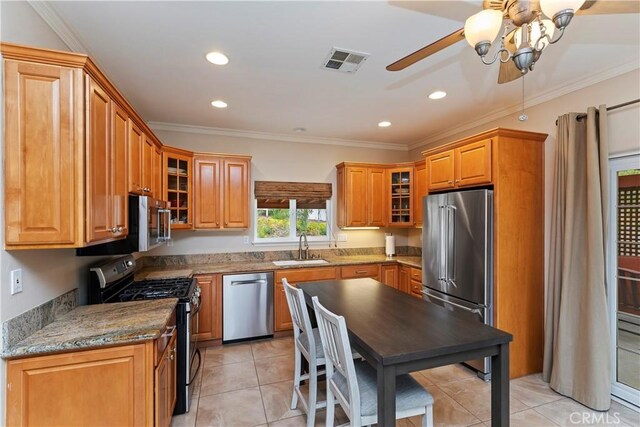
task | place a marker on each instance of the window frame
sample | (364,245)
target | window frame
(292,227)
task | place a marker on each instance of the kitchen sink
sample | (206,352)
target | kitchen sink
(300,262)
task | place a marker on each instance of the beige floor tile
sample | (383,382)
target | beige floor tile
(273,348)
(235,408)
(275,369)
(445,374)
(626,415)
(223,378)
(528,418)
(475,396)
(567,412)
(188,419)
(223,355)
(299,421)
(532,391)
(448,412)
(276,398)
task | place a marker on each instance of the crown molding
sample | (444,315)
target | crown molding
(539,98)
(235,133)
(50,15)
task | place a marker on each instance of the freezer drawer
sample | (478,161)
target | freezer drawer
(247,306)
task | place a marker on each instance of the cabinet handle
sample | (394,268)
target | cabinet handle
(120,229)
(457,180)
(450,182)
(114,230)
(361,272)
(169,332)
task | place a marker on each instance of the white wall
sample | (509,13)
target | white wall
(277,161)
(624,127)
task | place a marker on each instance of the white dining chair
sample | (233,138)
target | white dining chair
(354,385)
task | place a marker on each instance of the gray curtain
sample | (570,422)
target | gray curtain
(577,358)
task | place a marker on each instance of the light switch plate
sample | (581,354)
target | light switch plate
(16,281)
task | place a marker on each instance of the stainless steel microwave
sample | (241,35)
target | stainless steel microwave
(149,227)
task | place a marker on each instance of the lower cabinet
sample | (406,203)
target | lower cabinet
(360,271)
(389,275)
(281,316)
(415,285)
(210,314)
(136,387)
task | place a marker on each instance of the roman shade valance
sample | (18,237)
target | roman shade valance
(276,194)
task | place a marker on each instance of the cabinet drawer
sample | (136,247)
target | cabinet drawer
(306,274)
(354,271)
(416,289)
(416,274)
(167,333)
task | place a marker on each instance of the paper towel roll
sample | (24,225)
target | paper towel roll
(389,245)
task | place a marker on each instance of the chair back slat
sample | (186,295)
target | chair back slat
(299,313)
(337,350)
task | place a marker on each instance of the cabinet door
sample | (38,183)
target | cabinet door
(236,193)
(207,195)
(282,316)
(172,377)
(358,271)
(148,153)
(210,314)
(440,171)
(420,186)
(99,166)
(356,196)
(43,157)
(473,164)
(401,189)
(161,391)
(136,138)
(376,197)
(389,275)
(416,289)
(177,186)
(119,133)
(404,276)
(63,389)
(157,173)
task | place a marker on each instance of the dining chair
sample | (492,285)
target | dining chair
(311,349)
(354,384)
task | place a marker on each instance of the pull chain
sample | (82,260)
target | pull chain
(523,117)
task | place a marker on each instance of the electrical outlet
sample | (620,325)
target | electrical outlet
(245,240)
(16,281)
(341,237)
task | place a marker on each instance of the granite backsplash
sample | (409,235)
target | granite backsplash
(171,260)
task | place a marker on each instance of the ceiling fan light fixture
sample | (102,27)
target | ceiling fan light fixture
(523,58)
(536,33)
(482,29)
(560,11)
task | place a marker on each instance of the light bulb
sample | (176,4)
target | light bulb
(552,7)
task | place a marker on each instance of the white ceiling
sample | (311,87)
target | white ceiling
(154,52)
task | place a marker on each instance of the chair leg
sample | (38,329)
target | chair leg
(313,392)
(427,418)
(330,407)
(297,366)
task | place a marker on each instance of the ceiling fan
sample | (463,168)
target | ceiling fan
(525,31)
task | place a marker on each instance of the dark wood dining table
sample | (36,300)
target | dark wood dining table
(397,333)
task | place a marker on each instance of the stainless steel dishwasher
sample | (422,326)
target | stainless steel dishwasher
(247,306)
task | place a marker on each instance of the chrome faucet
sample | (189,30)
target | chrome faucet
(303,254)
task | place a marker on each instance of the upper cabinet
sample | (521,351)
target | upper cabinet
(401,188)
(465,165)
(177,186)
(376,196)
(222,187)
(420,190)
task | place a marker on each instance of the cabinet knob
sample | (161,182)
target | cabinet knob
(120,229)
(457,180)
(450,182)
(114,230)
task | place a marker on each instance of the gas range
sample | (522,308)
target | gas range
(113,281)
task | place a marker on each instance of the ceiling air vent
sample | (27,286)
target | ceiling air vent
(346,61)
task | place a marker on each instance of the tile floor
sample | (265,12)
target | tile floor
(250,385)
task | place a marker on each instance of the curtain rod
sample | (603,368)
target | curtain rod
(613,107)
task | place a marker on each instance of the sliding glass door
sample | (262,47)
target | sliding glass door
(624,276)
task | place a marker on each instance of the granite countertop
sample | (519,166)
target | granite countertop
(185,270)
(98,325)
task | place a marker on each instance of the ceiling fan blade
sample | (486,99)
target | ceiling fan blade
(601,7)
(508,71)
(420,54)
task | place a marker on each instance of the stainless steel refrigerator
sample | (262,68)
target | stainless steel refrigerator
(457,257)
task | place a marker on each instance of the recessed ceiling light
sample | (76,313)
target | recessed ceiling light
(439,94)
(384,124)
(217,58)
(299,130)
(219,104)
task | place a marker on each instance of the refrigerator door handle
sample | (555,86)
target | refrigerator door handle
(451,238)
(442,255)
(471,310)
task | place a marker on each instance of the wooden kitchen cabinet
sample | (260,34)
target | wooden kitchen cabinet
(135,141)
(376,197)
(44,155)
(440,171)
(359,271)
(401,188)
(210,314)
(404,279)
(165,384)
(106,162)
(148,169)
(473,163)
(157,171)
(208,195)
(389,275)
(281,315)
(236,191)
(420,190)
(352,196)
(177,185)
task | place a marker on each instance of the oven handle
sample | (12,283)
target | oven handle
(472,310)
(166,232)
(169,333)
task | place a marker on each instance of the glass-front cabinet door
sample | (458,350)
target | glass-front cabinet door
(624,276)
(177,175)
(401,197)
